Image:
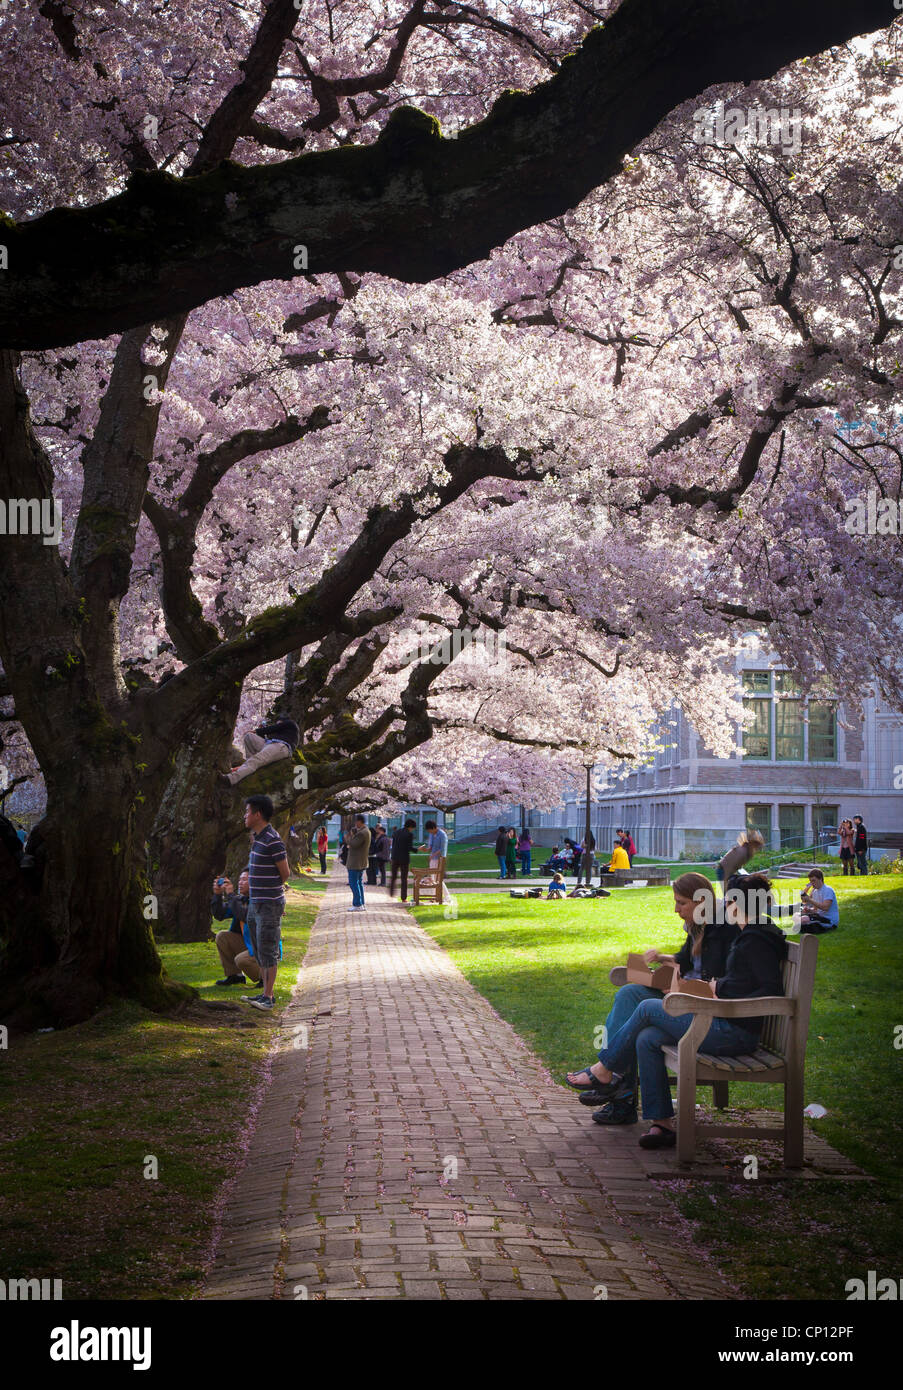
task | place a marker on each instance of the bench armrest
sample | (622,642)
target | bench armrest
(676,1004)
(618,975)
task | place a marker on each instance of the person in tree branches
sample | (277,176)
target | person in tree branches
(234,942)
(753,971)
(267,872)
(265,745)
(703,956)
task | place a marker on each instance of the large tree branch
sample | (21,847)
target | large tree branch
(411,205)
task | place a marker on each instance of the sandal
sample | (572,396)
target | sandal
(590,1085)
(658,1138)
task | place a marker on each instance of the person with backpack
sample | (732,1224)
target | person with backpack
(861,845)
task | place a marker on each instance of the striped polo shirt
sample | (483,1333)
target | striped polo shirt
(264,877)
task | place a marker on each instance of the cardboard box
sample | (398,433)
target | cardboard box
(665,978)
(639,973)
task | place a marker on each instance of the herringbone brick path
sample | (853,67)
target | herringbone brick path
(410,1146)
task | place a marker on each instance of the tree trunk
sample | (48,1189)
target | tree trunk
(88,930)
(198,820)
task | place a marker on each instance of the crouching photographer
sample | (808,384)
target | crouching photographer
(234,941)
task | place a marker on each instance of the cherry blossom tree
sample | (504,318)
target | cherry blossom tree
(625,437)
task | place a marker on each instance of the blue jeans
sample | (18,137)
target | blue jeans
(503,865)
(525,862)
(627,999)
(356,884)
(640,1040)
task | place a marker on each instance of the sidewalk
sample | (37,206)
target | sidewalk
(410,1146)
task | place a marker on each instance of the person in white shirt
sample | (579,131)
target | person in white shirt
(437,844)
(821,911)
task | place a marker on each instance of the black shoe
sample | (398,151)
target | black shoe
(616,1112)
(614,1091)
(232,980)
(663,1139)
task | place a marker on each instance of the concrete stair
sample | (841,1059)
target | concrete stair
(799,870)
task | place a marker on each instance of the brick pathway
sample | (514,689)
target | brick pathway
(410,1146)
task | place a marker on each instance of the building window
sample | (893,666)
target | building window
(788,730)
(791,825)
(824,822)
(759,818)
(757,728)
(756,682)
(822,734)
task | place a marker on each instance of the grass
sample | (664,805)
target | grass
(86,1108)
(544,967)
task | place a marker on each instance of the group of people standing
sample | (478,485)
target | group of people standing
(511,845)
(854,846)
(362,849)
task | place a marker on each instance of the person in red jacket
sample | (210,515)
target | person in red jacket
(627,844)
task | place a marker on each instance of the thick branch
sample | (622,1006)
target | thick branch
(412,205)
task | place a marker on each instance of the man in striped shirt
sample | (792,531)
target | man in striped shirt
(267,872)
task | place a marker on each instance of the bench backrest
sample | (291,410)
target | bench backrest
(788,1035)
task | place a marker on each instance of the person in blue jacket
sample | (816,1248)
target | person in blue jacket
(234,941)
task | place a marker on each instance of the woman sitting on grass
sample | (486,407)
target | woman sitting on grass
(753,971)
(703,956)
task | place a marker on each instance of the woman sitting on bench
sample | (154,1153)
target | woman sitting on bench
(703,956)
(753,971)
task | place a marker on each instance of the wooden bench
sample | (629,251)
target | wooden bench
(428,884)
(779,1059)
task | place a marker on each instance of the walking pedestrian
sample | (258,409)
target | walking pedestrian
(402,845)
(322,847)
(358,842)
(267,872)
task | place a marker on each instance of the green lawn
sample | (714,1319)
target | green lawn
(84,1109)
(544,967)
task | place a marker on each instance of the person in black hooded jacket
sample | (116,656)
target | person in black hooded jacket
(753,971)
